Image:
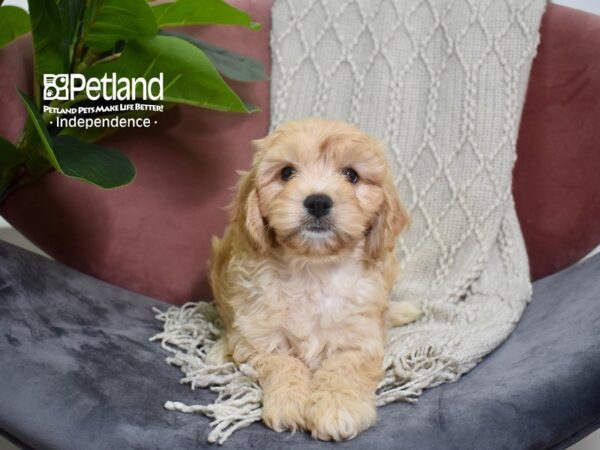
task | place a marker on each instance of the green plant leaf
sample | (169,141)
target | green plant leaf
(10,155)
(14,22)
(103,167)
(48,40)
(10,159)
(92,163)
(189,76)
(231,64)
(40,127)
(88,134)
(30,144)
(71,14)
(201,12)
(109,21)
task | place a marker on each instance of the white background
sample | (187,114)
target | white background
(592,442)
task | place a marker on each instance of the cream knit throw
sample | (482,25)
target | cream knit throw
(442,83)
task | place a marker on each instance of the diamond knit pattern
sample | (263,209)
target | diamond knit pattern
(442,84)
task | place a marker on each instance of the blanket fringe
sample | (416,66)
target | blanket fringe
(192,329)
(188,334)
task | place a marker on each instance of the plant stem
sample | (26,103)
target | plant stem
(61,104)
(108,58)
(22,178)
(88,60)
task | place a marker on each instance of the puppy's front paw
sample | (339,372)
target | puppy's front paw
(339,415)
(401,313)
(284,408)
(217,354)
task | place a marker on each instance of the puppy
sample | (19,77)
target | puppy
(303,274)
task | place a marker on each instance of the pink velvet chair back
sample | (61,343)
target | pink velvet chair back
(556,179)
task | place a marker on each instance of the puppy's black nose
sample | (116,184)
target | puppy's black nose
(318,205)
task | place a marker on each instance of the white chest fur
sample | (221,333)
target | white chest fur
(313,309)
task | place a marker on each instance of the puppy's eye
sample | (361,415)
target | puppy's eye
(287,173)
(350,175)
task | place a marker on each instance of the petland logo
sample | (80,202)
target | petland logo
(68,96)
(68,87)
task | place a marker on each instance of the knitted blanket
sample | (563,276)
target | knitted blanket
(442,83)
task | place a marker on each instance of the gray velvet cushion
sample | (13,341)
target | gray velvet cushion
(77,372)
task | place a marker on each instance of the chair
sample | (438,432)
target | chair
(78,370)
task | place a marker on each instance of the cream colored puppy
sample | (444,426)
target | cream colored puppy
(303,275)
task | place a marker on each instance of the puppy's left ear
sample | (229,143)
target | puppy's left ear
(245,207)
(246,211)
(389,222)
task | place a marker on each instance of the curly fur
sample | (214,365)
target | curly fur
(309,311)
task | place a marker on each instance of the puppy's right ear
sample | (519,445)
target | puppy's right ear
(246,209)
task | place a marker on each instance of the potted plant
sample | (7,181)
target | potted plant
(104,56)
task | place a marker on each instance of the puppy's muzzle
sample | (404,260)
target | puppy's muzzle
(318,205)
